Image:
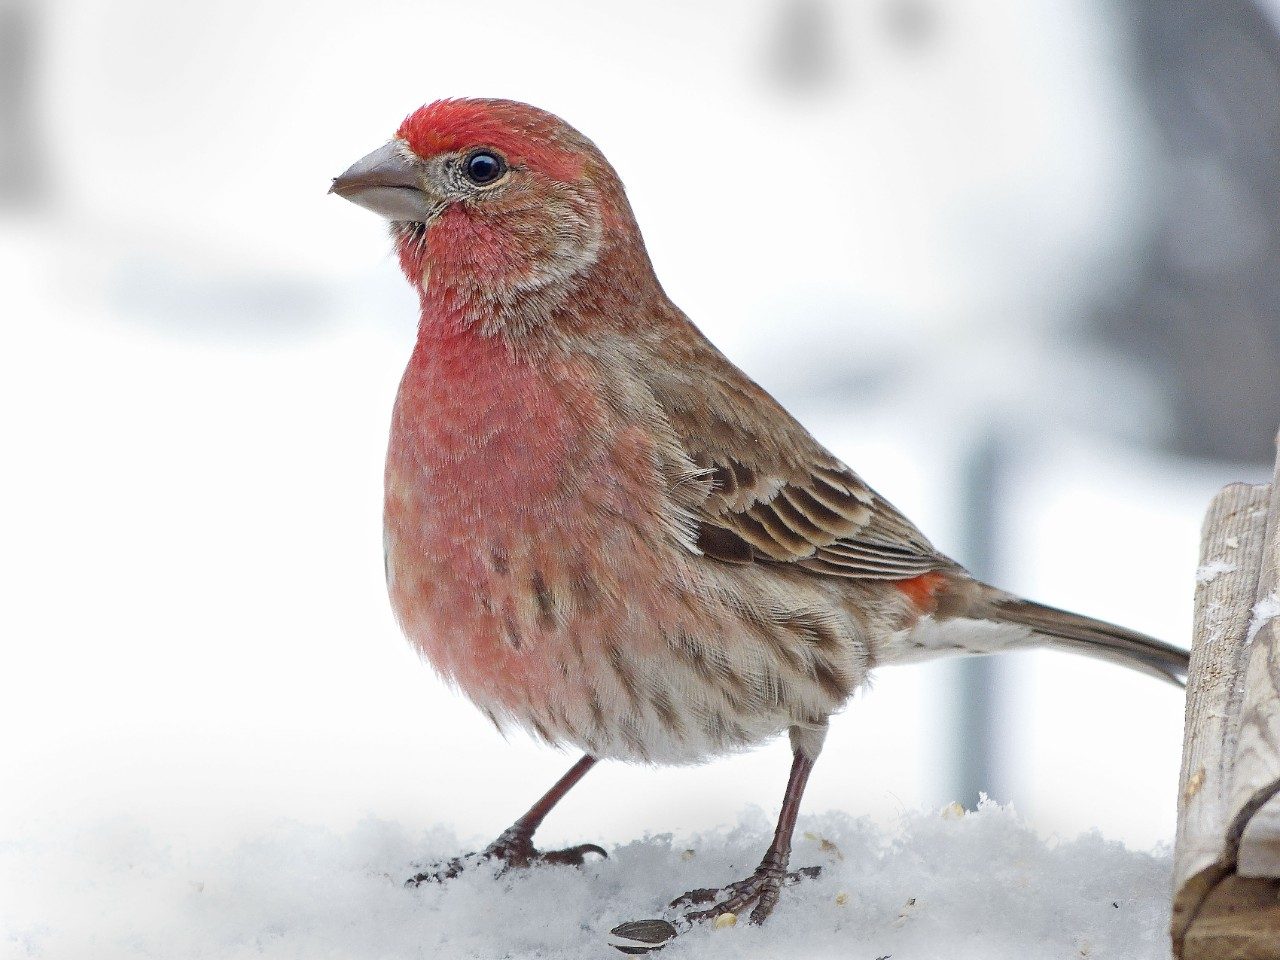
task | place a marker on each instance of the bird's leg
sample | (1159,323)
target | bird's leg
(514,847)
(762,888)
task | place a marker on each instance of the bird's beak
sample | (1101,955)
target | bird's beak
(388,184)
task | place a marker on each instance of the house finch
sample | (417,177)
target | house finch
(604,532)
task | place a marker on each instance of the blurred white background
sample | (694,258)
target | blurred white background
(953,237)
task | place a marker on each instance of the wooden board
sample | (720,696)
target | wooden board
(1239,920)
(1256,800)
(1227,853)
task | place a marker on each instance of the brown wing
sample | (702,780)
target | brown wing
(828,521)
(769,492)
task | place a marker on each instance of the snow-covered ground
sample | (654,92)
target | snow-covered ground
(982,886)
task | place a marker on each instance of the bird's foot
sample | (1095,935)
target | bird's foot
(762,889)
(514,850)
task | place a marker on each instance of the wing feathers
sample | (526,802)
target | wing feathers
(770,492)
(829,523)
(797,520)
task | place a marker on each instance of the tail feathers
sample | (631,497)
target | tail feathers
(1059,629)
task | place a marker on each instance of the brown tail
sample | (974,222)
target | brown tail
(1062,630)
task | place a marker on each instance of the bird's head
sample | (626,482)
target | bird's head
(499,202)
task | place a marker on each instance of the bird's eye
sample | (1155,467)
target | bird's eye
(483,167)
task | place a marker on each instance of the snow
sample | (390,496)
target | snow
(1264,611)
(1210,571)
(982,885)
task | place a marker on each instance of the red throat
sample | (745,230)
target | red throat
(454,263)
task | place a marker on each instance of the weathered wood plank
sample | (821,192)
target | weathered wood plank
(1256,792)
(1230,562)
(1227,853)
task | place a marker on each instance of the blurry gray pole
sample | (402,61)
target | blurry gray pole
(978,687)
(21,170)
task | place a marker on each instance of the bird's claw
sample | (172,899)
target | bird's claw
(512,852)
(761,888)
(711,894)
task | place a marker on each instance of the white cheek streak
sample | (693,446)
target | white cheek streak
(577,250)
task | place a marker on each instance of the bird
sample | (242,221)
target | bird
(603,532)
